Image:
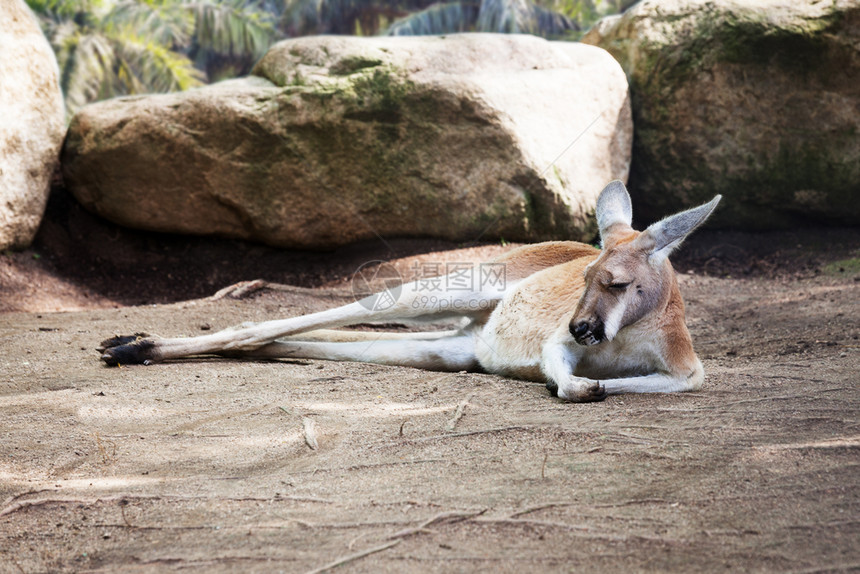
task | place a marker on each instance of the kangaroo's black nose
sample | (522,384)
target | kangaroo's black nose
(579,329)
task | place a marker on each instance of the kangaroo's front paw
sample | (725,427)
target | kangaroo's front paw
(581,390)
(128,350)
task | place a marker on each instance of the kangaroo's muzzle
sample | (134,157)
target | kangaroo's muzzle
(587,333)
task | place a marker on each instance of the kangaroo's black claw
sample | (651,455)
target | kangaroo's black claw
(118,340)
(129,350)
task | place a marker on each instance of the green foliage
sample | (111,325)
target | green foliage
(442,18)
(843,267)
(520,16)
(549,18)
(361,17)
(381,89)
(565,19)
(227,28)
(585,13)
(501,16)
(107,49)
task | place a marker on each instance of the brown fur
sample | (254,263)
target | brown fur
(680,356)
(529,259)
(586,322)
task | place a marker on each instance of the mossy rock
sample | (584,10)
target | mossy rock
(756,101)
(334,140)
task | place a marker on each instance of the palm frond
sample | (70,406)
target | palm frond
(146,66)
(501,16)
(584,13)
(551,23)
(167,22)
(58,34)
(301,17)
(231,27)
(64,9)
(521,17)
(505,16)
(442,18)
(86,63)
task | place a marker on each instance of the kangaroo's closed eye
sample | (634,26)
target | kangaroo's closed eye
(620,286)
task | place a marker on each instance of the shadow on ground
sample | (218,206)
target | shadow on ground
(80,261)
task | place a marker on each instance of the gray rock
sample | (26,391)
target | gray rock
(32,123)
(339,139)
(759,101)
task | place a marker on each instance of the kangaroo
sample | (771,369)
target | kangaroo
(586,322)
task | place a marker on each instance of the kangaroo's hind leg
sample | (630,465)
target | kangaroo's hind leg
(442,351)
(453,354)
(413,302)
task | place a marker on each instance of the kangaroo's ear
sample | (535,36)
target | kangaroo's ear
(665,236)
(613,207)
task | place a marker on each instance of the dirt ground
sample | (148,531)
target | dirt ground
(216,465)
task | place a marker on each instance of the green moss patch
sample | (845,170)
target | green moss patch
(745,36)
(379,96)
(843,267)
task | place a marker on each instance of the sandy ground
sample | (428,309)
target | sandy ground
(214,465)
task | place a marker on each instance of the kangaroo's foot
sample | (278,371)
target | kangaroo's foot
(127,350)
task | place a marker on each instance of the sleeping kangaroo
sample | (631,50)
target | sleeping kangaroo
(587,322)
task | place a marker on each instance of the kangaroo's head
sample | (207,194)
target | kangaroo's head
(632,276)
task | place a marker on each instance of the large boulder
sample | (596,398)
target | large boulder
(32,123)
(759,101)
(339,139)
